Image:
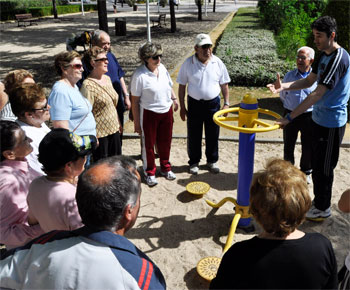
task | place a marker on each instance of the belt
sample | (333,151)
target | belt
(202,100)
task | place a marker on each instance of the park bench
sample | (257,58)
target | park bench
(26,18)
(159,20)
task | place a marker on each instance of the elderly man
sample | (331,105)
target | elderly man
(206,75)
(115,72)
(96,256)
(332,73)
(302,123)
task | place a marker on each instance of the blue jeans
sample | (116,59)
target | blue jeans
(199,113)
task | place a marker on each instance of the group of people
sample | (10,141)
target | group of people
(63,226)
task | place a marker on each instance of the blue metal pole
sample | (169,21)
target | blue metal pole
(245,163)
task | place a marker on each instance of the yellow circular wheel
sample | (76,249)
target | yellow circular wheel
(265,127)
(198,187)
(208,267)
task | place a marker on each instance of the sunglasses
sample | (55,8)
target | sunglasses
(42,109)
(76,66)
(206,46)
(156,57)
(101,59)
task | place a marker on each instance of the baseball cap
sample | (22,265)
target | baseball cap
(60,146)
(203,39)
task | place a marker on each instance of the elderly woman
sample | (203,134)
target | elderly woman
(69,109)
(152,102)
(12,80)
(51,198)
(15,178)
(29,104)
(98,89)
(281,257)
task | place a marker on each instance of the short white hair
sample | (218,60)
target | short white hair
(310,51)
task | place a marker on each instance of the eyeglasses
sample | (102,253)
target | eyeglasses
(206,46)
(45,108)
(76,66)
(157,56)
(101,59)
(301,57)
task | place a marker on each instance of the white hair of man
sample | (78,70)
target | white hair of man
(310,51)
(97,35)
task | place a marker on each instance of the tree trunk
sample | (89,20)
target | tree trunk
(199,10)
(54,9)
(102,15)
(214,4)
(172,16)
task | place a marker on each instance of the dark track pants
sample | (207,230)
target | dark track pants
(325,154)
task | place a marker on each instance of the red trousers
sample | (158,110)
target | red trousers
(156,129)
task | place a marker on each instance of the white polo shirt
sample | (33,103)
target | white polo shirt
(154,91)
(203,80)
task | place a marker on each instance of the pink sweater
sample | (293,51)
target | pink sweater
(15,178)
(53,205)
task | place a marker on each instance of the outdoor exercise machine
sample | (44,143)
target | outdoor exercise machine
(248,126)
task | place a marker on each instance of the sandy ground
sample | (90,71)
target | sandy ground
(174,228)
(177,229)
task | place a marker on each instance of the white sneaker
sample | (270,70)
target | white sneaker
(168,175)
(194,169)
(317,215)
(308,178)
(151,180)
(213,167)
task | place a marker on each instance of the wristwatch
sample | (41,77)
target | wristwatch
(226,104)
(288,117)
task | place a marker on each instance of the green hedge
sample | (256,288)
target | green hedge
(45,11)
(340,10)
(290,20)
(249,51)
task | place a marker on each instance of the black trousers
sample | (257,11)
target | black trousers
(201,113)
(325,154)
(108,146)
(301,124)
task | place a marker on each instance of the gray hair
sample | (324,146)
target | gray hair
(148,50)
(96,36)
(101,203)
(310,51)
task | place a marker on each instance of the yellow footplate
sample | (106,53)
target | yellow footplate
(208,267)
(198,187)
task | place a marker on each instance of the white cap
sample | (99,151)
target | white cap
(203,39)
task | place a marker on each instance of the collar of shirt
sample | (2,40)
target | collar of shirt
(19,165)
(108,238)
(195,60)
(304,75)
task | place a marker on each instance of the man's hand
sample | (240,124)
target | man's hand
(183,114)
(282,122)
(137,127)
(276,87)
(225,107)
(176,105)
(127,102)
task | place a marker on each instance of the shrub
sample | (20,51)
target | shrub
(249,52)
(290,20)
(340,10)
(9,14)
